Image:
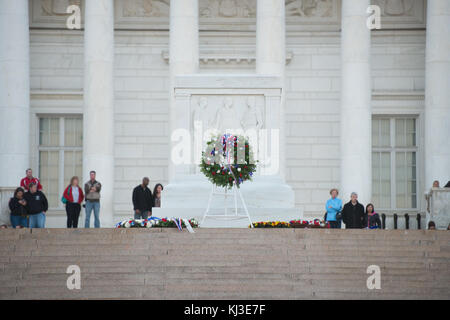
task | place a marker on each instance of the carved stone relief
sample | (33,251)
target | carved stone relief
(395,7)
(227,8)
(225,112)
(232,14)
(146,8)
(57,7)
(309,8)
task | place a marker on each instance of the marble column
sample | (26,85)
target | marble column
(271,60)
(356,124)
(183,59)
(270,37)
(98,116)
(437,93)
(14,91)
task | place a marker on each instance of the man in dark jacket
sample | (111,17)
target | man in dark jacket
(142,200)
(353,213)
(37,205)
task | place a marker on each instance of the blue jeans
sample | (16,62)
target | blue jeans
(19,221)
(37,220)
(92,205)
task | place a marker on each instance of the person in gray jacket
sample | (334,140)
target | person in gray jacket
(92,190)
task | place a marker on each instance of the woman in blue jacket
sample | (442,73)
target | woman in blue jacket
(334,207)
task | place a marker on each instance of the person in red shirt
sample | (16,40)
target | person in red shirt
(25,182)
(73,196)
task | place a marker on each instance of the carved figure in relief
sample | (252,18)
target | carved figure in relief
(309,8)
(253,117)
(228,8)
(57,7)
(200,113)
(226,117)
(146,8)
(395,7)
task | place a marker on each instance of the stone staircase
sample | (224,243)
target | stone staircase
(224,263)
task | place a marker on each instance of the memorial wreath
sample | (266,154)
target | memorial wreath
(228,160)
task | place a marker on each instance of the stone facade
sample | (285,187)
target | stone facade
(312,82)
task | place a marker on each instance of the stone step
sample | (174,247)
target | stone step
(223,263)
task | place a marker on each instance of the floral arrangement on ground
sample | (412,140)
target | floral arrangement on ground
(228,160)
(310,224)
(154,222)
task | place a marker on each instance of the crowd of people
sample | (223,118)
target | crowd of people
(29,204)
(353,214)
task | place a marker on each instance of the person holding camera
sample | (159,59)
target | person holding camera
(92,190)
(19,211)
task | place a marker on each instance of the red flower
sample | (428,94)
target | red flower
(213,173)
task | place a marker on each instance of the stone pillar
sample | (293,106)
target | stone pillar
(271,60)
(356,114)
(183,59)
(98,116)
(437,93)
(14,92)
(270,37)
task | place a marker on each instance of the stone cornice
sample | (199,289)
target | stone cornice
(232,57)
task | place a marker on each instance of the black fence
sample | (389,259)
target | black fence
(396,219)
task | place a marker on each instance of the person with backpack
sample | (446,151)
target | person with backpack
(72,197)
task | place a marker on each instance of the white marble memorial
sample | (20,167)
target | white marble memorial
(240,103)
(122,73)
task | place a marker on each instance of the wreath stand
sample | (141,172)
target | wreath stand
(234,215)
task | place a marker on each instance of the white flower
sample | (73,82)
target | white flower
(239,169)
(218,171)
(127,224)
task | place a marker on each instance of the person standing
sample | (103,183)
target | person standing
(333,208)
(157,195)
(92,190)
(371,218)
(18,207)
(142,200)
(353,213)
(73,196)
(25,182)
(37,206)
